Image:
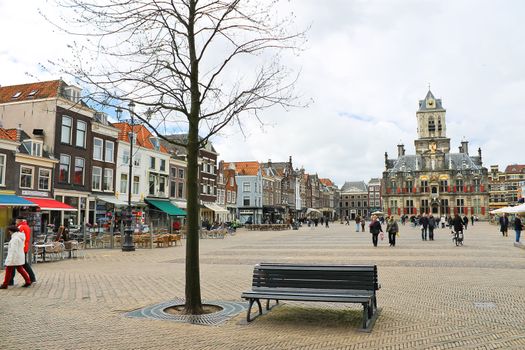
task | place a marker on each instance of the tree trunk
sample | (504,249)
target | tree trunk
(193,287)
(193,290)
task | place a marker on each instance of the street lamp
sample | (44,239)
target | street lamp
(128,245)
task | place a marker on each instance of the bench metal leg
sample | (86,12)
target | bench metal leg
(268,304)
(248,319)
(366,315)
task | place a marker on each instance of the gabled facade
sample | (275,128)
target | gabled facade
(54,111)
(435,180)
(354,200)
(151,164)
(505,188)
(374,195)
(248,176)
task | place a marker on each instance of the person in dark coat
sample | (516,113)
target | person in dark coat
(375,229)
(465,221)
(424,226)
(504,225)
(457,223)
(431,225)
(518,227)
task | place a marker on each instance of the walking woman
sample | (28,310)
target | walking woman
(375,229)
(518,226)
(392,228)
(15,257)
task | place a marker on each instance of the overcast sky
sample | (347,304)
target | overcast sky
(365,66)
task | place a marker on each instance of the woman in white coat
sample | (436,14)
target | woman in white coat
(15,257)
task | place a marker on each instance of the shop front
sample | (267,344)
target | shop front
(220,214)
(162,213)
(11,206)
(273,214)
(250,216)
(48,214)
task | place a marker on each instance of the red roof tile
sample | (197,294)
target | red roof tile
(7,134)
(515,169)
(143,135)
(245,168)
(326,182)
(23,92)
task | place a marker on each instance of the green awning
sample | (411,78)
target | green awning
(166,207)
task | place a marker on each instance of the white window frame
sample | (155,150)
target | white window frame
(43,177)
(136,185)
(181,171)
(95,147)
(109,183)
(162,165)
(125,156)
(68,167)
(83,171)
(3,160)
(124,189)
(79,131)
(246,187)
(70,126)
(109,156)
(152,162)
(99,179)
(32,176)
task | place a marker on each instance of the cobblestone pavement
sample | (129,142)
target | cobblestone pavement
(434,295)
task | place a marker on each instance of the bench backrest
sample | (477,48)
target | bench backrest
(342,277)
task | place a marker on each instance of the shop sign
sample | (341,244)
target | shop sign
(35,193)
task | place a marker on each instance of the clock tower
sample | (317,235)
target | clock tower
(431,127)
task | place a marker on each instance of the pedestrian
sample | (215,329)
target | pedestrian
(518,227)
(322,220)
(357,223)
(465,221)
(504,225)
(326,222)
(392,228)
(15,257)
(431,226)
(363,223)
(472,220)
(375,229)
(443,221)
(23,227)
(424,226)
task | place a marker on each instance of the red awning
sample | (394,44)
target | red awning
(50,204)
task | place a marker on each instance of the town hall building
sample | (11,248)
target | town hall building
(435,180)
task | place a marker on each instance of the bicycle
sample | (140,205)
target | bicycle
(457,238)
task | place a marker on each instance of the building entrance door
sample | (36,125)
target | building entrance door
(435,209)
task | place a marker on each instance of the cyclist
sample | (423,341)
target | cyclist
(457,222)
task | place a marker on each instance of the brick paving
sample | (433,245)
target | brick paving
(434,295)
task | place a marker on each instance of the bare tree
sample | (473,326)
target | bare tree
(197,64)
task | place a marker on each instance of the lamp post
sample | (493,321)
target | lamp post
(128,245)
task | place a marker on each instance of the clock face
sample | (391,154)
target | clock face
(432,147)
(430,103)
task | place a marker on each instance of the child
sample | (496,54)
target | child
(15,257)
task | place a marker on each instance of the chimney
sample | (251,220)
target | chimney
(269,163)
(464,146)
(460,149)
(19,133)
(479,153)
(400,150)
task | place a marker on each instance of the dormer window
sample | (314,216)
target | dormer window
(32,93)
(155,142)
(72,93)
(33,147)
(17,95)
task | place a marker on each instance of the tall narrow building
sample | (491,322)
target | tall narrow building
(434,180)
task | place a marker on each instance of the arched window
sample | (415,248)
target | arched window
(440,127)
(431,125)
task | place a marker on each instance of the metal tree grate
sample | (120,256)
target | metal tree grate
(156,312)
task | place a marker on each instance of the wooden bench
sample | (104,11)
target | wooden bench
(318,283)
